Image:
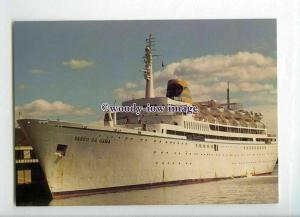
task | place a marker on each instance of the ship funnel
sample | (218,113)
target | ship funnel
(148,73)
(178,90)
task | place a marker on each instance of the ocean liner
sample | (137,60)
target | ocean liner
(152,148)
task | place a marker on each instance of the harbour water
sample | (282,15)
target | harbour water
(258,189)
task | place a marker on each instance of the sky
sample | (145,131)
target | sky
(67,69)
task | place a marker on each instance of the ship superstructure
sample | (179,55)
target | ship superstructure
(152,148)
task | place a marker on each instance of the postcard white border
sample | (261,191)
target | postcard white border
(288,86)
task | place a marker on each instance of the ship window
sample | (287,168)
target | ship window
(19,154)
(215,147)
(26,154)
(61,150)
(24,176)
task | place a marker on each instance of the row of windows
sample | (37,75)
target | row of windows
(23,154)
(251,162)
(235,129)
(190,163)
(193,137)
(209,154)
(195,126)
(254,147)
(173,163)
(23,177)
(202,137)
(204,146)
(266,140)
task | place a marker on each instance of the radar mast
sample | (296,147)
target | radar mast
(148,73)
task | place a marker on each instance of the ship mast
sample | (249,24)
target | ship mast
(228,97)
(148,73)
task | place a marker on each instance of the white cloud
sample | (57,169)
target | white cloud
(37,71)
(78,64)
(127,93)
(208,75)
(130,85)
(98,122)
(242,66)
(43,108)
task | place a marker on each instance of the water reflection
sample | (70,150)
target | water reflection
(259,189)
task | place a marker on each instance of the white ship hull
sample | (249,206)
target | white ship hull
(102,159)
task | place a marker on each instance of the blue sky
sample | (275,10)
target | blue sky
(83,63)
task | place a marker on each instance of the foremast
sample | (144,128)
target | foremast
(148,73)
